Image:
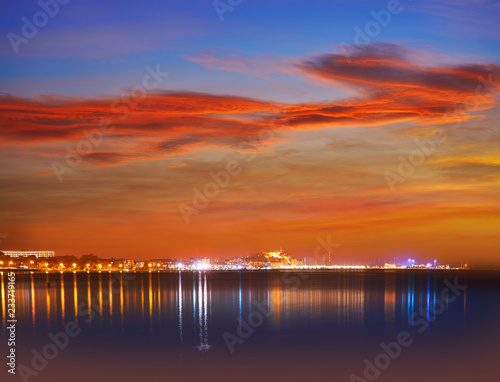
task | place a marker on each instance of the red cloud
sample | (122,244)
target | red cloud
(394,88)
(391,87)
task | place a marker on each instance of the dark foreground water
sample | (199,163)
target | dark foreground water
(256,326)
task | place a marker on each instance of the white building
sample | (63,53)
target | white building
(37,254)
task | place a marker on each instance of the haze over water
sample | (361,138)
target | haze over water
(314,325)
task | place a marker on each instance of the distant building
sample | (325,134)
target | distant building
(278,259)
(37,254)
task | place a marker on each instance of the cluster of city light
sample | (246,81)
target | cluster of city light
(205,265)
(229,267)
(274,254)
(324,267)
(277,260)
(412,264)
(202,266)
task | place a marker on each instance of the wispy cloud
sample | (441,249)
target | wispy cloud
(389,85)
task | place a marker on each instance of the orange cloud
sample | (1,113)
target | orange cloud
(390,86)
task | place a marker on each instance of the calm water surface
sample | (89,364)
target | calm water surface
(316,326)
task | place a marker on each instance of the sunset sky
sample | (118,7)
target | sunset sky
(369,124)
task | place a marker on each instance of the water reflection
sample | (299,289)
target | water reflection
(89,296)
(188,306)
(100,294)
(151,301)
(390,301)
(121,300)
(179,300)
(202,312)
(110,300)
(47,307)
(142,299)
(75,297)
(63,309)
(33,302)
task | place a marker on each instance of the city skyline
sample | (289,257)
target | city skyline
(190,130)
(275,260)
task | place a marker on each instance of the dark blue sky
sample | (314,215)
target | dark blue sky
(100,47)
